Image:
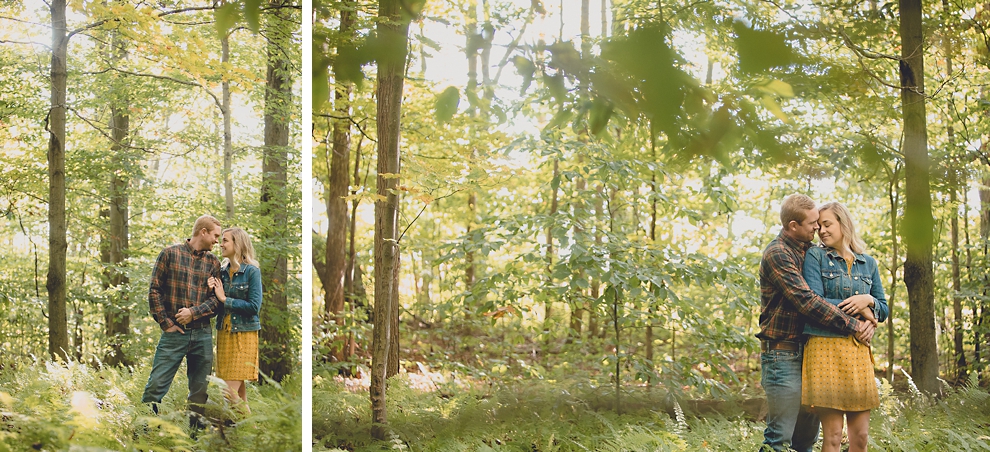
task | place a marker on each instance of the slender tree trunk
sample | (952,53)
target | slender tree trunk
(393,32)
(228,145)
(555,185)
(918,204)
(580,184)
(276,326)
(471,48)
(338,190)
(117,315)
(954,186)
(58,335)
(894,198)
(979,308)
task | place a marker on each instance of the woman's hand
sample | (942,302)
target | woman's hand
(217,287)
(856,304)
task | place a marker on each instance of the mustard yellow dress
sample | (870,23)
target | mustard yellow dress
(237,353)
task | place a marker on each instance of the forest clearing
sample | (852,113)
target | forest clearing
(563,208)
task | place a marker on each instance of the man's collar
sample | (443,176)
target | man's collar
(793,242)
(194,250)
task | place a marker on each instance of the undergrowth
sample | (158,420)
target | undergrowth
(76,407)
(542,415)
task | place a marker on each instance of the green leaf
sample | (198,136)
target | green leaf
(601,111)
(525,68)
(446,104)
(777,87)
(556,86)
(559,119)
(760,50)
(252,14)
(321,86)
(772,105)
(225,17)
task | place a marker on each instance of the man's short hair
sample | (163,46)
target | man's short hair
(795,208)
(205,222)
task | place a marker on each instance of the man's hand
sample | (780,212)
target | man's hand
(856,304)
(865,330)
(175,328)
(184,316)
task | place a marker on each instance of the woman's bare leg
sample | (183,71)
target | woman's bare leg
(859,430)
(831,429)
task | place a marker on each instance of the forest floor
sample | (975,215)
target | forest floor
(77,407)
(441,411)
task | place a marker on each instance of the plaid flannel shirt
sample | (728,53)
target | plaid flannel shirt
(785,296)
(179,281)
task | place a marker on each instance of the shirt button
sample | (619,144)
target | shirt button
(857,292)
(855,277)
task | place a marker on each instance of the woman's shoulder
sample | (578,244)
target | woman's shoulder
(816,251)
(868,259)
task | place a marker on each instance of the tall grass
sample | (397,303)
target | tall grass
(73,406)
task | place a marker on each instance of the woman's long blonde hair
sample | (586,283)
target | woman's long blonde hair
(243,250)
(849,236)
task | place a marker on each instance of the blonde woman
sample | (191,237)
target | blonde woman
(239,291)
(837,374)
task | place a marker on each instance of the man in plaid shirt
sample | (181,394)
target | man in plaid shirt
(182,304)
(786,302)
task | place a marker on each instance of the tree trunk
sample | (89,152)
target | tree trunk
(228,145)
(979,309)
(918,218)
(276,326)
(336,205)
(471,48)
(954,186)
(392,31)
(58,335)
(555,185)
(894,199)
(117,314)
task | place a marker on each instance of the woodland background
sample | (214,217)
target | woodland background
(564,203)
(120,123)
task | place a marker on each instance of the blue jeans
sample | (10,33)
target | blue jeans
(197,347)
(787,422)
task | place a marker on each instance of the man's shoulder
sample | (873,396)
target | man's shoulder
(775,247)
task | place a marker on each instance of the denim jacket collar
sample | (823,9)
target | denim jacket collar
(833,254)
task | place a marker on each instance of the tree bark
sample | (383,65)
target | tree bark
(336,257)
(117,314)
(980,309)
(58,335)
(276,326)
(918,204)
(393,32)
(894,199)
(228,145)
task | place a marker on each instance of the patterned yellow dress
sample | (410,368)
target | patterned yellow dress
(237,351)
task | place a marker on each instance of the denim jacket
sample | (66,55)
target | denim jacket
(828,275)
(243,298)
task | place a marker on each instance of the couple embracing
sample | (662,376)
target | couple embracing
(820,308)
(189,285)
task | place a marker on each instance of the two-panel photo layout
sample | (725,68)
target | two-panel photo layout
(493,225)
